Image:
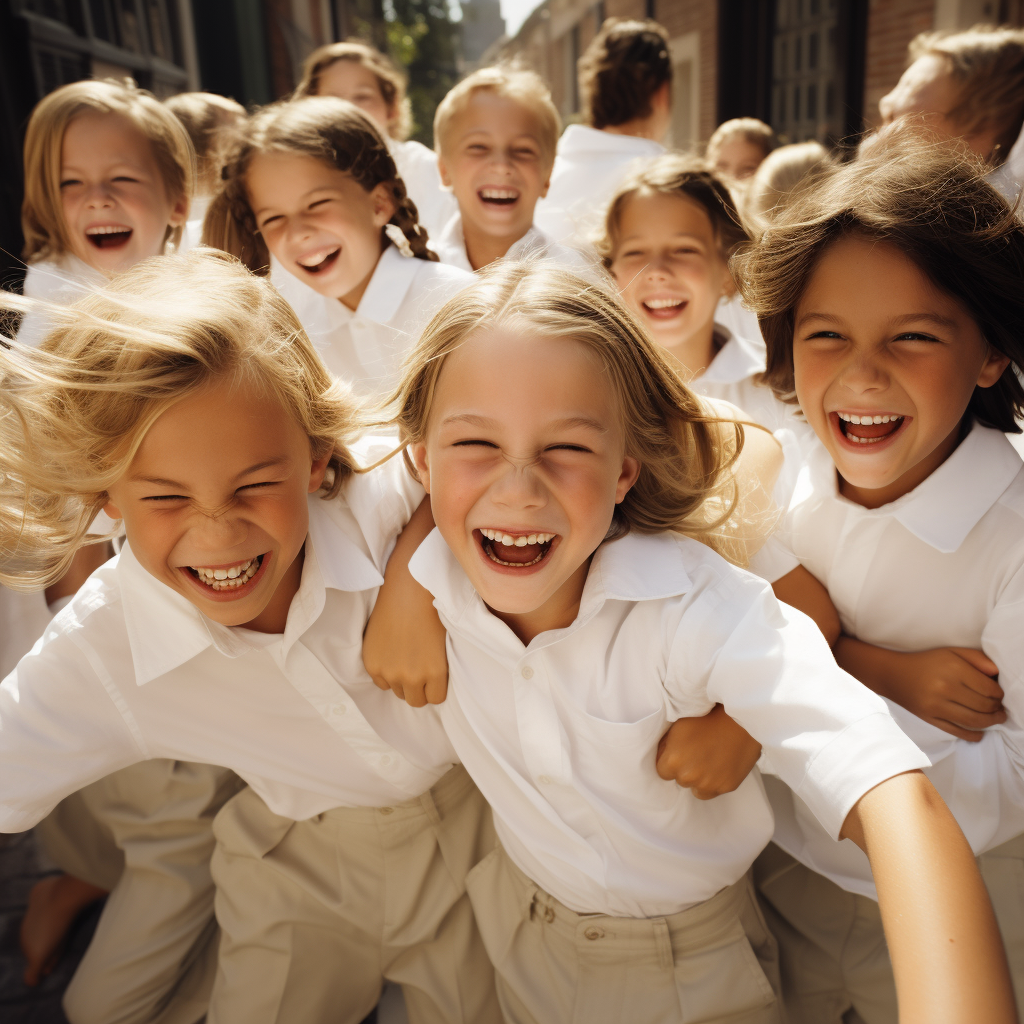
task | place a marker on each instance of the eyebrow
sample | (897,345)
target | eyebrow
(570,421)
(896,321)
(677,235)
(176,485)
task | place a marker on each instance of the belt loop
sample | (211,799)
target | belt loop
(663,940)
(430,809)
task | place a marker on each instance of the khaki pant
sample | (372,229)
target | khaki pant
(834,959)
(145,833)
(716,962)
(316,914)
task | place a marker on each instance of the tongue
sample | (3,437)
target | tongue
(510,553)
(110,241)
(873,429)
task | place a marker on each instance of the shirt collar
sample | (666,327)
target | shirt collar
(737,360)
(165,630)
(943,509)
(388,286)
(453,243)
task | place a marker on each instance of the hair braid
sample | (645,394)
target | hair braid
(407,218)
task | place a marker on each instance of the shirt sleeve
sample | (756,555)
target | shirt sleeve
(60,729)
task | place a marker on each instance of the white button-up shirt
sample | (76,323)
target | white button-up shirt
(132,670)
(589,166)
(366,347)
(417,166)
(60,281)
(560,735)
(943,566)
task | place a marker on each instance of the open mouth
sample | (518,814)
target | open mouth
(319,261)
(866,430)
(515,550)
(108,236)
(498,196)
(228,580)
(663,309)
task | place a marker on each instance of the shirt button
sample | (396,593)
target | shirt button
(338,709)
(527,672)
(593,934)
(544,780)
(385,760)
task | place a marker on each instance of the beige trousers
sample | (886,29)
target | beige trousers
(316,914)
(716,962)
(145,833)
(834,959)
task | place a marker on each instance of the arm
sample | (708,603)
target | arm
(804,592)
(404,641)
(947,955)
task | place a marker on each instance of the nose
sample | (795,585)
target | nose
(218,534)
(657,267)
(519,485)
(98,197)
(863,374)
(501,161)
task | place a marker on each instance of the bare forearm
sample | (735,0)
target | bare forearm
(871,665)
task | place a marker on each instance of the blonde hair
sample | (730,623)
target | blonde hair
(782,176)
(517,84)
(391,81)
(749,129)
(74,412)
(683,484)
(42,219)
(328,129)
(987,62)
(206,117)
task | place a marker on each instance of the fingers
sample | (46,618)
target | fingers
(976,659)
(968,719)
(982,685)
(972,736)
(436,690)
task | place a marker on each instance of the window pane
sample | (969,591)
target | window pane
(812,101)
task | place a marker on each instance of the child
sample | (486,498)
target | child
(910,511)
(569,472)
(355,71)
(312,184)
(625,85)
(737,147)
(781,178)
(669,233)
(495,134)
(208,119)
(187,401)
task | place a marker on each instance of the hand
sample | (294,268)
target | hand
(952,688)
(710,755)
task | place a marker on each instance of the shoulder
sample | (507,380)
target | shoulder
(384,495)
(438,282)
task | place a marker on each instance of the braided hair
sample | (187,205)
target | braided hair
(329,129)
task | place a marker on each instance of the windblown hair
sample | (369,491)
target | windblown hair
(74,412)
(782,177)
(749,129)
(684,483)
(626,63)
(686,177)
(42,218)
(325,128)
(517,84)
(987,63)
(930,202)
(391,81)
(207,117)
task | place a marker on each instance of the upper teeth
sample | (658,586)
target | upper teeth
(235,575)
(850,417)
(106,230)
(662,303)
(316,257)
(519,542)
(498,193)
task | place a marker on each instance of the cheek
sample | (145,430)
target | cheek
(811,375)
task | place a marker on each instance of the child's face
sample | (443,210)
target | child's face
(113,197)
(873,337)
(220,485)
(738,158)
(668,266)
(494,162)
(358,84)
(525,442)
(319,222)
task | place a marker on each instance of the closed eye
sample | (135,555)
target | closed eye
(165,497)
(125,177)
(569,448)
(824,334)
(474,441)
(262,483)
(319,202)
(270,220)
(70,181)
(914,336)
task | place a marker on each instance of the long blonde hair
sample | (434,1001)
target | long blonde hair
(74,411)
(42,219)
(683,483)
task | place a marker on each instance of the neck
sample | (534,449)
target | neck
(274,617)
(558,612)
(693,354)
(352,299)
(483,249)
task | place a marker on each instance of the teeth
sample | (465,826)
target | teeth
(107,230)
(850,417)
(228,579)
(498,193)
(662,303)
(509,541)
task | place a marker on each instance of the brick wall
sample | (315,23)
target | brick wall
(891,26)
(681,17)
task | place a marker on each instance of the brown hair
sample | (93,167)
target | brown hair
(987,62)
(626,63)
(684,483)
(206,116)
(749,129)
(42,220)
(677,175)
(391,81)
(928,200)
(74,411)
(328,129)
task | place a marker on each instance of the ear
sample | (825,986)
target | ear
(112,510)
(317,472)
(628,477)
(384,207)
(729,288)
(547,182)
(418,454)
(993,368)
(179,212)
(442,169)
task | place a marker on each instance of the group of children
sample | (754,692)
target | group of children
(362,497)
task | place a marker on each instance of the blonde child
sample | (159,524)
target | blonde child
(312,194)
(187,401)
(910,511)
(669,233)
(209,119)
(495,135)
(571,476)
(781,178)
(357,72)
(738,147)
(625,85)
